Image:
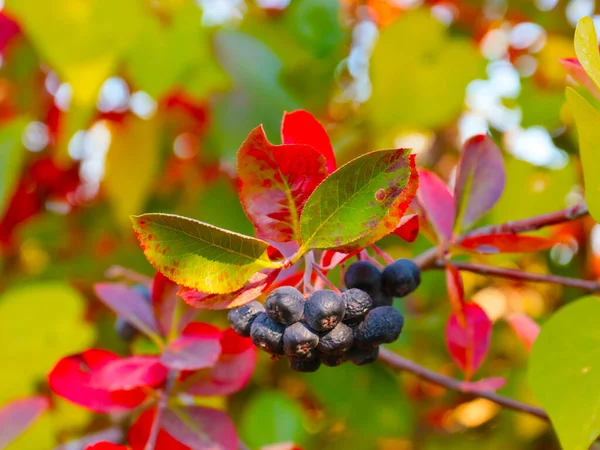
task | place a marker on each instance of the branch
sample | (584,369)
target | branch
(514,274)
(163,402)
(397,362)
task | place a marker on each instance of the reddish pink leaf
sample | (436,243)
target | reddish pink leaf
(456,292)
(19,415)
(575,69)
(525,327)
(129,304)
(200,428)
(129,373)
(106,446)
(483,385)
(192,352)
(72,378)
(274,183)
(140,432)
(300,127)
(330,259)
(164,302)
(256,285)
(233,370)
(8,30)
(507,243)
(480,179)
(408,229)
(468,345)
(438,203)
(282,446)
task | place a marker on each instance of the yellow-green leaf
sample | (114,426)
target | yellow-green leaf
(200,256)
(587,119)
(11,153)
(586,48)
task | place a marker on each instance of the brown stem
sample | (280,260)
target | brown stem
(398,362)
(163,402)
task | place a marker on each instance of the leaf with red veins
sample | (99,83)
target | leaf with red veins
(408,228)
(274,183)
(506,243)
(484,385)
(129,304)
(330,259)
(233,370)
(164,303)
(300,127)
(480,180)
(197,348)
(19,415)
(438,202)
(72,379)
(140,432)
(106,446)
(125,374)
(456,292)
(469,345)
(526,329)
(576,70)
(256,285)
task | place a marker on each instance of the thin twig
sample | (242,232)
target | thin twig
(163,402)
(327,281)
(398,362)
(309,260)
(382,254)
(514,274)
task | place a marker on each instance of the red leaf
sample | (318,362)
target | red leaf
(526,329)
(19,415)
(331,259)
(408,229)
(140,432)
(468,345)
(129,304)
(200,428)
(255,286)
(574,68)
(456,292)
(438,203)
(193,351)
(274,183)
(233,370)
(164,303)
(506,243)
(106,446)
(72,378)
(8,30)
(480,179)
(129,373)
(484,385)
(300,127)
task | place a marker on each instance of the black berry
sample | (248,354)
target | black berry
(299,341)
(382,299)
(285,305)
(324,310)
(358,303)
(124,329)
(304,365)
(241,318)
(333,360)
(400,278)
(363,275)
(267,334)
(337,341)
(360,356)
(381,326)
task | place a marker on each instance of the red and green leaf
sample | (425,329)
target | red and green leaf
(408,229)
(438,202)
(274,183)
(506,243)
(200,256)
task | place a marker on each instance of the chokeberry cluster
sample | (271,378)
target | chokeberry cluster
(327,327)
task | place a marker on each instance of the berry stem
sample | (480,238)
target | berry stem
(515,274)
(309,261)
(163,402)
(383,255)
(364,256)
(398,362)
(327,281)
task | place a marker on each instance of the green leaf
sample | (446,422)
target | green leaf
(355,200)
(200,256)
(586,48)
(587,119)
(564,372)
(11,157)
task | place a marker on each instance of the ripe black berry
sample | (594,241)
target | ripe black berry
(337,341)
(400,278)
(360,356)
(363,275)
(304,365)
(285,305)
(267,334)
(241,318)
(333,360)
(382,299)
(124,329)
(324,310)
(299,341)
(358,303)
(381,326)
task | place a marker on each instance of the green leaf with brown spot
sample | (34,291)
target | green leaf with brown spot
(200,256)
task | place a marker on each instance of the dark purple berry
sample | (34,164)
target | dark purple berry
(285,305)
(400,278)
(299,341)
(304,365)
(382,299)
(337,341)
(324,310)
(360,356)
(358,303)
(124,329)
(267,334)
(363,275)
(333,360)
(241,318)
(381,326)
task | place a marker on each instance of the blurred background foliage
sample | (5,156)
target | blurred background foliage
(115,107)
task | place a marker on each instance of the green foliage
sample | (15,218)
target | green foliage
(11,157)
